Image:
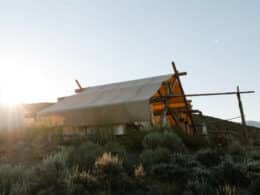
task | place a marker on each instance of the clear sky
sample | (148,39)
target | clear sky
(45,45)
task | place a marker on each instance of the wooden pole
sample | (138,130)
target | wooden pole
(78,84)
(80,89)
(243,120)
(156,99)
(176,74)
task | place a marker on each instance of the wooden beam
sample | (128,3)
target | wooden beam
(174,68)
(161,98)
(182,110)
(181,73)
(221,93)
(79,85)
(80,89)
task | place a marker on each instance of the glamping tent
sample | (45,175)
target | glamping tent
(154,100)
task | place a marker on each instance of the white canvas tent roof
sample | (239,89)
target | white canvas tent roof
(116,103)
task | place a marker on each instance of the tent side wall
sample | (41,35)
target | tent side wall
(116,114)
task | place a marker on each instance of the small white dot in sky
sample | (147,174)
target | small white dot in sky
(217,41)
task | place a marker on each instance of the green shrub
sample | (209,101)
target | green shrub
(115,149)
(178,169)
(111,174)
(193,143)
(9,176)
(84,156)
(255,155)
(229,173)
(49,178)
(153,140)
(209,157)
(165,171)
(132,139)
(181,168)
(20,189)
(24,186)
(164,139)
(80,182)
(254,187)
(62,156)
(201,174)
(150,157)
(227,190)
(198,187)
(173,142)
(102,136)
(252,169)
(235,148)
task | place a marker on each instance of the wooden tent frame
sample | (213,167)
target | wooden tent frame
(174,104)
(169,104)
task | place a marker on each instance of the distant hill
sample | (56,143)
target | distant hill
(254,123)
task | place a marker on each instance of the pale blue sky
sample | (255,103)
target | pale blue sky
(45,45)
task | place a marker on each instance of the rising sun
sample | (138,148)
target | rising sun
(9,99)
(11,83)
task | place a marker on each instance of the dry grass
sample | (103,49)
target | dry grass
(227,190)
(108,159)
(139,171)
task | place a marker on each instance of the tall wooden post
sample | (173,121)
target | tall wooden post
(243,120)
(191,129)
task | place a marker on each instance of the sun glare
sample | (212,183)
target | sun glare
(9,99)
(23,78)
(15,84)
(10,89)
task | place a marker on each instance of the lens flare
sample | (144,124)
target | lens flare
(8,99)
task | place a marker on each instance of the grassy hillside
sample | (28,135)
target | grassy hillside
(41,161)
(32,144)
(228,128)
(152,161)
